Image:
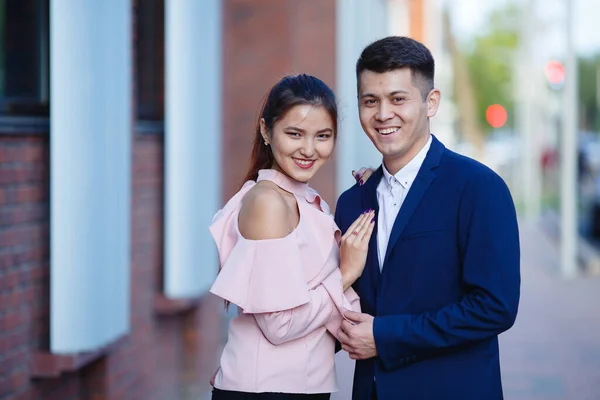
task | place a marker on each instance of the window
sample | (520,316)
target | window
(24,60)
(150,50)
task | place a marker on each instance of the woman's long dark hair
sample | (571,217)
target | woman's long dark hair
(289,92)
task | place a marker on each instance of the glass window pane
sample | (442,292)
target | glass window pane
(24,33)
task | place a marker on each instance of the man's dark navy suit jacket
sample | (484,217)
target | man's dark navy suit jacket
(449,284)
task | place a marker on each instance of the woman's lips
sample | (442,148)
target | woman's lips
(304,164)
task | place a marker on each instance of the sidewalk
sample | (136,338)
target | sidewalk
(553,350)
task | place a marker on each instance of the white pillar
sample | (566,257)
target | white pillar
(358,23)
(568,167)
(530,89)
(192,143)
(442,125)
(90,185)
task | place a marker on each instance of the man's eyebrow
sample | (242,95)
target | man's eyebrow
(367,95)
(394,93)
(401,91)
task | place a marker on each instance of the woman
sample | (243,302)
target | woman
(283,262)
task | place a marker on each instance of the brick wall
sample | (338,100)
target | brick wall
(163,357)
(263,41)
(24,253)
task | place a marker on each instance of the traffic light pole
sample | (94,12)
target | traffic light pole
(568,164)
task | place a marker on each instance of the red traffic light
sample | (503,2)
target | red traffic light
(496,115)
(555,72)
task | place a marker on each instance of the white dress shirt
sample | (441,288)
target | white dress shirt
(391,192)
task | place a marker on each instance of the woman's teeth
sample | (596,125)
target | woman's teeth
(304,162)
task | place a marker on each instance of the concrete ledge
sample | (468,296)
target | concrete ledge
(143,127)
(24,126)
(164,305)
(49,365)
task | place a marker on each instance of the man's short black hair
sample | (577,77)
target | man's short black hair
(395,52)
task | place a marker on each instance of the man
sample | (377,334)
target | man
(442,275)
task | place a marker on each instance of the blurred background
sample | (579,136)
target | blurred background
(126,124)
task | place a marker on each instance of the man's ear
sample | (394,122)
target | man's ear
(433,102)
(263,130)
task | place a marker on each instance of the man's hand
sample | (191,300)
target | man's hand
(357,339)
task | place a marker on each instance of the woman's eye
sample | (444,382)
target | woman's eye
(293,134)
(324,136)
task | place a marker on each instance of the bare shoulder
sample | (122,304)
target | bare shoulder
(264,213)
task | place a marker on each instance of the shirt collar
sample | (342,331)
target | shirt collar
(407,175)
(300,189)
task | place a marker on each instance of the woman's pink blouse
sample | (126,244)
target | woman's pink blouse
(289,296)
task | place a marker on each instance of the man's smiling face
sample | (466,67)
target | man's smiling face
(394,114)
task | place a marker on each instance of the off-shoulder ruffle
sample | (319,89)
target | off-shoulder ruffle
(263,276)
(277,274)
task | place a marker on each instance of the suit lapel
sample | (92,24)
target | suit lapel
(369,200)
(425,176)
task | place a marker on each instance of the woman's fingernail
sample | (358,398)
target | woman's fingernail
(360,183)
(373,220)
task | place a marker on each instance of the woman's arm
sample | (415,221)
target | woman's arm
(265,215)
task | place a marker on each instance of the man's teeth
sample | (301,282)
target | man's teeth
(387,131)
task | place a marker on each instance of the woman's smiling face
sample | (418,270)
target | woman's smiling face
(301,141)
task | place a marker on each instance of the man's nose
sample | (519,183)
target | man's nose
(384,112)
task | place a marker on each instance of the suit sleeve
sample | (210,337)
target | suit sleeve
(488,238)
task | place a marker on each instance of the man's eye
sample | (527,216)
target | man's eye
(398,99)
(370,102)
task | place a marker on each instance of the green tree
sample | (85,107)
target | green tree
(490,63)
(589,68)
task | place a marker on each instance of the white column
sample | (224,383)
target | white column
(530,99)
(568,159)
(192,143)
(358,23)
(398,18)
(442,125)
(90,142)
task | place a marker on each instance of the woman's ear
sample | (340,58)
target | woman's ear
(263,131)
